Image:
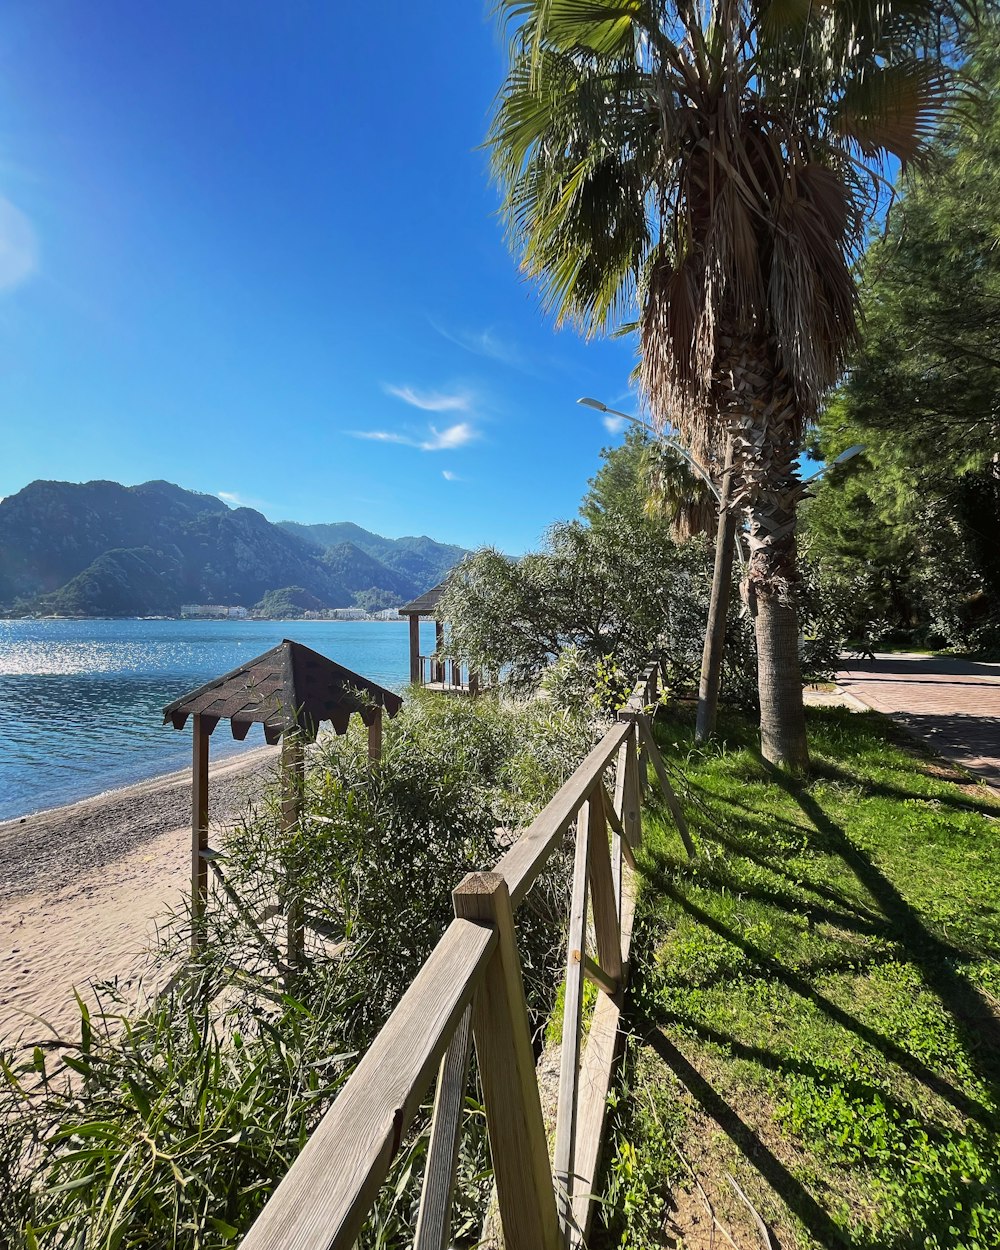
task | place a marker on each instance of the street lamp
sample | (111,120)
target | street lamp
(700,469)
(848,453)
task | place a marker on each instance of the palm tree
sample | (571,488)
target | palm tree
(676,494)
(714,167)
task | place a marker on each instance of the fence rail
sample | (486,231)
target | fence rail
(472,984)
(444,673)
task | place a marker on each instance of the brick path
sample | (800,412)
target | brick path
(953,705)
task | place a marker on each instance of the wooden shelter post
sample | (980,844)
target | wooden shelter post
(290,690)
(375,737)
(293,776)
(199,833)
(415,650)
(438,648)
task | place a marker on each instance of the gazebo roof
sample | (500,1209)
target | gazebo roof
(290,686)
(425,604)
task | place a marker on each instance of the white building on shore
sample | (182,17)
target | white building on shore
(214,610)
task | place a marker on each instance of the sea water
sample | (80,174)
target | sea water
(81,702)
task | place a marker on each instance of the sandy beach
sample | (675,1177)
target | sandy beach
(83,886)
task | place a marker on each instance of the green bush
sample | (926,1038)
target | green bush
(168,1126)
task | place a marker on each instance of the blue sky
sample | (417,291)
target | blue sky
(252,248)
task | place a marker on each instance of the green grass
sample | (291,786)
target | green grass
(815,1007)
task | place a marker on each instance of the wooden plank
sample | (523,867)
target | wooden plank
(604,902)
(610,815)
(434,1218)
(199,831)
(597,976)
(595,1081)
(630,798)
(668,791)
(527,857)
(325,1197)
(569,1058)
(507,1072)
(617,839)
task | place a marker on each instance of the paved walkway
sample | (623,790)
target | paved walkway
(954,705)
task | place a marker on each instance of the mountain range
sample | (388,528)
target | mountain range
(103,549)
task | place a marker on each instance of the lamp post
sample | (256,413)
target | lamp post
(725,542)
(672,443)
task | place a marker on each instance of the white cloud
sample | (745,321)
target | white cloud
(383,436)
(436,440)
(18,246)
(445,473)
(484,343)
(236,500)
(430,401)
(454,436)
(614,425)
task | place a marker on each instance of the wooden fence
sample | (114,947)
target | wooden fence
(446,674)
(470,989)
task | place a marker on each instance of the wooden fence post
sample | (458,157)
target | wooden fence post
(569,1057)
(602,889)
(628,796)
(199,832)
(672,801)
(434,1218)
(507,1071)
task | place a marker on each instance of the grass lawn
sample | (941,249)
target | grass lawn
(815,1004)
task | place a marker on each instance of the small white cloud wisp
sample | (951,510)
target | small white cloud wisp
(614,425)
(236,500)
(430,401)
(484,343)
(448,439)
(18,246)
(449,476)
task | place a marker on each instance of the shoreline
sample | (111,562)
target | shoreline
(173,775)
(49,849)
(229,620)
(84,888)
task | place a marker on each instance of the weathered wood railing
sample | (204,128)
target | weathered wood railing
(447,674)
(472,984)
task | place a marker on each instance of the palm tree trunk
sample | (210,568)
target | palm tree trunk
(779,682)
(771,585)
(718,608)
(766,425)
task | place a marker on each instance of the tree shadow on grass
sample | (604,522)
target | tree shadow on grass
(854,919)
(799,1200)
(798,984)
(855,1088)
(975,1019)
(826,771)
(857,920)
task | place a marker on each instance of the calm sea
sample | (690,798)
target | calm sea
(81,701)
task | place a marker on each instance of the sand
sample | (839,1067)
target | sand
(82,888)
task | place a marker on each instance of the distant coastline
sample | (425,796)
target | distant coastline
(100,550)
(250,618)
(81,700)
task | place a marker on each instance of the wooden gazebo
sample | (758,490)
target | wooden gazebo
(290,690)
(434,671)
